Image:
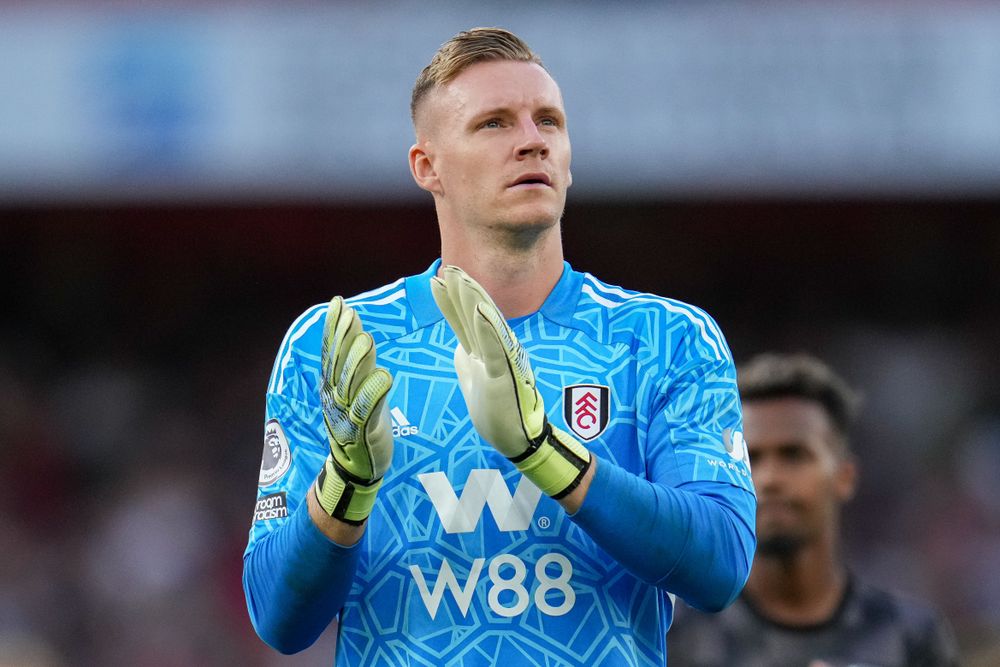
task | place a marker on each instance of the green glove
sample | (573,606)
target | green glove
(357,424)
(499,388)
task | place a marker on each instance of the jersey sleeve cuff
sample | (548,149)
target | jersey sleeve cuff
(311,538)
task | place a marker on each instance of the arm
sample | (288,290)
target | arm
(297,577)
(691,541)
(296,580)
(691,519)
(707,568)
(685,532)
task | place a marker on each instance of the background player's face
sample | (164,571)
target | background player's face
(800,475)
(500,149)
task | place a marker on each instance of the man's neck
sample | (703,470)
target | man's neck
(800,589)
(518,276)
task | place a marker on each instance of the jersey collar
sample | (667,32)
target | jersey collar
(558,306)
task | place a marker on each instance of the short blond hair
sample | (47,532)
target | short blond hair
(464,49)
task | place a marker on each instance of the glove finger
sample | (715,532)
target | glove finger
(329,329)
(493,340)
(328,357)
(359,364)
(368,411)
(371,392)
(465,304)
(471,294)
(348,330)
(504,356)
(341,328)
(449,309)
(473,290)
(355,454)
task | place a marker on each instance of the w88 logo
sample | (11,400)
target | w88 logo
(510,579)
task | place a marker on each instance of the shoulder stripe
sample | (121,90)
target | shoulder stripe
(296,331)
(707,328)
(359,301)
(375,292)
(309,318)
(599,299)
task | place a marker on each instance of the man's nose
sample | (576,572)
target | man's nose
(765,474)
(532,142)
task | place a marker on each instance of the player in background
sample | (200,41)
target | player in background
(802,606)
(537,463)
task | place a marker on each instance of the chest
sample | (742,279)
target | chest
(592,391)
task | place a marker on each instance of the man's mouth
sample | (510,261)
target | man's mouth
(537,179)
(777,505)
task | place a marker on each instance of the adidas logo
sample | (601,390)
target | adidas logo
(400,424)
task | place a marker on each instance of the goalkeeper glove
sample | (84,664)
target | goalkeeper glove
(357,425)
(499,388)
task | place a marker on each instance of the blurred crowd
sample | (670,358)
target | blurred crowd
(130,469)
(126,501)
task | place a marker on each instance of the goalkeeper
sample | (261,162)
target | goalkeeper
(510,462)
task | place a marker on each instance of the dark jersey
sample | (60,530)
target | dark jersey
(870,628)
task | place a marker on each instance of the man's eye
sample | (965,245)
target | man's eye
(794,454)
(492,123)
(549,121)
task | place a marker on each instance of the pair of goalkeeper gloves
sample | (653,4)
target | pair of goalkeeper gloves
(496,380)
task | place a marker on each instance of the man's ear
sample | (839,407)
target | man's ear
(422,167)
(846,478)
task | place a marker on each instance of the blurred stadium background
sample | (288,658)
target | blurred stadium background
(178,182)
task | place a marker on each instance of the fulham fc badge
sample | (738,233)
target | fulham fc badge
(586,407)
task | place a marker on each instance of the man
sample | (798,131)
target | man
(801,605)
(600,428)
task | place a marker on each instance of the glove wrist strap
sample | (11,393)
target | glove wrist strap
(342,495)
(554,461)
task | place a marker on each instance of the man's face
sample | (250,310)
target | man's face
(497,142)
(799,473)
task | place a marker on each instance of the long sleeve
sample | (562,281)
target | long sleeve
(295,581)
(464,561)
(691,541)
(687,524)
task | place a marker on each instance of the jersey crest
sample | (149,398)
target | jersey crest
(586,408)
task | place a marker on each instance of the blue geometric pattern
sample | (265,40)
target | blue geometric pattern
(545,593)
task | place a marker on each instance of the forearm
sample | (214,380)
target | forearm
(343,534)
(574,500)
(295,581)
(687,543)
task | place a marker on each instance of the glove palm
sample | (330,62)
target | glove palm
(498,384)
(358,429)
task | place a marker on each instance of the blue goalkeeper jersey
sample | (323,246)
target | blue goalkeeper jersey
(464,561)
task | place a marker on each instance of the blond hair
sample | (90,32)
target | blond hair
(464,49)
